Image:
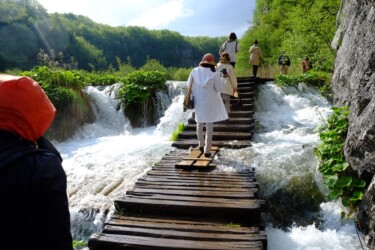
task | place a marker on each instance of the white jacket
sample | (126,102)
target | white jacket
(230,47)
(208,104)
(231,80)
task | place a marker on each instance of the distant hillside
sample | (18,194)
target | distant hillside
(26,28)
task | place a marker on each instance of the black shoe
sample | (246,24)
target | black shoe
(201,149)
(207,155)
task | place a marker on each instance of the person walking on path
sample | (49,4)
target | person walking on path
(230,46)
(306,65)
(227,71)
(255,57)
(34,202)
(208,105)
(284,63)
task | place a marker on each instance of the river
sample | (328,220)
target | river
(104,160)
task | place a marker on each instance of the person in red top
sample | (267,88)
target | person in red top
(33,199)
(306,65)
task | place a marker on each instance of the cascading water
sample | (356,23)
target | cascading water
(286,168)
(106,158)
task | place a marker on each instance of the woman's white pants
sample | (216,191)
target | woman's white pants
(205,142)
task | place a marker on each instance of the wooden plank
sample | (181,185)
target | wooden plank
(172,233)
(192,179)
(185,225)
(197,159)
(193,154)
(206,183)
(201,161)
(114,241)
(201,164)
(197,202)
(197,193)
(155,171)
(185,144)
(218,135)
(198,185)
(184,187)
(171,178)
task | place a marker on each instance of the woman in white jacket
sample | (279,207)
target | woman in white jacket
(226,69)
(230,46)
(208,104)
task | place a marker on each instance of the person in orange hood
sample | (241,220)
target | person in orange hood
(33,199)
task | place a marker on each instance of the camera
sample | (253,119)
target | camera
(224,71)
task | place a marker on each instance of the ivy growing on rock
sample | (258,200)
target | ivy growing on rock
(341,180)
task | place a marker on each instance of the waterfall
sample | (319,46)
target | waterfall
(106,158)
(109,119)
(298,216)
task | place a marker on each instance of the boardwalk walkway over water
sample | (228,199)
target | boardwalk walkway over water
(195,208)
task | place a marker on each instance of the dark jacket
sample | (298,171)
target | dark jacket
(33,201)
(283,60)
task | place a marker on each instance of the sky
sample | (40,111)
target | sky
(188,17)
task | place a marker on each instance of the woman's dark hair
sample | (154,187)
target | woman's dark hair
(256,42)
(232,36)
(206,65)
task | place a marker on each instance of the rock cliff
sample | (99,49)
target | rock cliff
(353,84)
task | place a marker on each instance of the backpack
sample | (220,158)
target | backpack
(23,150)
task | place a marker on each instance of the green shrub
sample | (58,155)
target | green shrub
(139,86)
(99,78)
(337,174)
(314,78)
(181,74)
(61,86)
(318,79)
(49,78)
(152,65)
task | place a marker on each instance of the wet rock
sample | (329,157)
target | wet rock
(353,84)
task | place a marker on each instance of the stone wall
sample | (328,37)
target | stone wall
(353,85)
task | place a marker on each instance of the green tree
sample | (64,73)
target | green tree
(302,27)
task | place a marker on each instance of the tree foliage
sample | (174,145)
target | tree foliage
(301,27)
(26,28)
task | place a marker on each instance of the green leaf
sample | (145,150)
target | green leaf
(330,181)
(334,194)
(326,166)
(340,167)
(344,182)
(357,196)
(358,183)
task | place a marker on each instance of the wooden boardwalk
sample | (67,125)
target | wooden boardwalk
(174,207)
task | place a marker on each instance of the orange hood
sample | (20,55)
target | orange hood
(24,107)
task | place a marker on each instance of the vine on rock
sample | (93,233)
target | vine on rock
(341,180)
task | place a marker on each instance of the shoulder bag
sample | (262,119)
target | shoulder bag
(189,98)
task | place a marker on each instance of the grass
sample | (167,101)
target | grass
(180,128)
